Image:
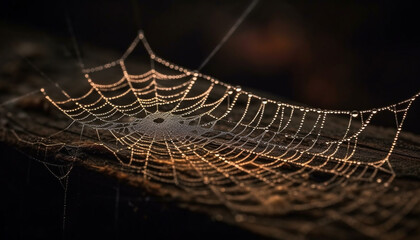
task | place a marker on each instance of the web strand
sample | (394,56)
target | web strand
(238,22)
(73,38)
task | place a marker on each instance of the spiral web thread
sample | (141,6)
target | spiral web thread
(226,146)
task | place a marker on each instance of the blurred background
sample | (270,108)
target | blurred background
(327,54)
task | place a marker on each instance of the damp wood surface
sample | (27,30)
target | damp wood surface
(36,116)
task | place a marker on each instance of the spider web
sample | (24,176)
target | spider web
(228,147)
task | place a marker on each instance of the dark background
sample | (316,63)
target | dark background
(328,54)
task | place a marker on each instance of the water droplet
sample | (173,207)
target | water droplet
(379,180)
(264,101)
(238,88)
(230,92)
(355,113)
(374,110)
(206,180)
